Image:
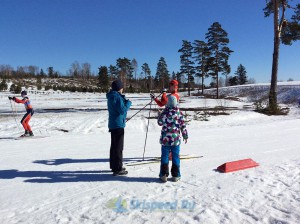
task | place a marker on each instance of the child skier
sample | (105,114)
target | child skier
(29,112)
(172,122)
(173,90)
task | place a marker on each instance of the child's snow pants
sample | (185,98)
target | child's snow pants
(164,166)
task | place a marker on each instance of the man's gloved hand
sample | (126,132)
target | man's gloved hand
(152,95)
(10,98)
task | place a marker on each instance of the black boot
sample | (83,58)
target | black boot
(120,173)
(31,133)
(26,134)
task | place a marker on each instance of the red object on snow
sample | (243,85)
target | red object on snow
(237,165)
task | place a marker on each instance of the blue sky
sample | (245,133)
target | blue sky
(58,32)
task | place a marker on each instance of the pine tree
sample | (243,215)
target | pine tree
(134,65)
(42,73)
(285,31)
(241,75)
(186,63)
(233,81)
(147,73)
(125,70)
(217,44)
(113,72)
(103,80)
(201,56)
(162,76)
(50,72)
(3,85)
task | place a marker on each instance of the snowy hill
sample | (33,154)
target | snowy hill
(65,177)
(288,92)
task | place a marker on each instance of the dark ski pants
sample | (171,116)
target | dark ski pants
(164,166)
(116,149)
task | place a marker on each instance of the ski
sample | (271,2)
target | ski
(157,160)
(22,138)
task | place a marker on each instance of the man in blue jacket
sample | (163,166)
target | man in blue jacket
(118,106)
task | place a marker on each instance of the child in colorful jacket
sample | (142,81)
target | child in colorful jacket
(29,112)
(172,122)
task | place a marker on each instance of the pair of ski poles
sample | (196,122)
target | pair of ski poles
(150,103)
(14,112)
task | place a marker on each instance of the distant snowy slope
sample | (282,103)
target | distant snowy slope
(288,92)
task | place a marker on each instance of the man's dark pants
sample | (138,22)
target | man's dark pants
(116,149)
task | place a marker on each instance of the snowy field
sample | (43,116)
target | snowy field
(65,177)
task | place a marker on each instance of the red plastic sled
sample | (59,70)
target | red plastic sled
(237,165)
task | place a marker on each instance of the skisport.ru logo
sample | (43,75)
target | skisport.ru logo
(120,205)
(117,204)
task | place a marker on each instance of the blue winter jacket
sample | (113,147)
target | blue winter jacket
(117,109)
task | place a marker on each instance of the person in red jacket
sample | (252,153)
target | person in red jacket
(173,90)
(29,112)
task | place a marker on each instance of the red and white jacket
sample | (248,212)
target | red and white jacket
(164,98)
(24,101)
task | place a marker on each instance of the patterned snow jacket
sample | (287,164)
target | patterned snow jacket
(172,122)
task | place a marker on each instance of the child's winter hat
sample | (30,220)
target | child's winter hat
(172,101)
(23,93)
(117,85)
(174,82)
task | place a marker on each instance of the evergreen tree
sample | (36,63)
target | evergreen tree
(103,80)
(39,82)
(233,81)
(50,72)
(3,85)
(201,56)
(162,76)
(286,31)
(147,76)
(113,72)
(217,44)
(42,73)
(134,66)
(186,63)
(125,70)
(241,75)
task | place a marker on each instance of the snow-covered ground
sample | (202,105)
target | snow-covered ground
(65,177)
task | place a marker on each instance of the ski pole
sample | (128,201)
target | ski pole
(14,115)
(141,109)
(147,131)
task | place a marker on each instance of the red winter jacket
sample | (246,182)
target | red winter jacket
(164,99)
(24,101)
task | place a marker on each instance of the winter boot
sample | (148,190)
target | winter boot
(123,168)
(175,179)
(31,133)
(164,178)
(120,173)
(26,134)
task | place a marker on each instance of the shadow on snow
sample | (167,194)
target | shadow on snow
(70,176)
(56,162)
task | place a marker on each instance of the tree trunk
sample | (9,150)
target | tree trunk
(273,88)
(202,84)
(189,89)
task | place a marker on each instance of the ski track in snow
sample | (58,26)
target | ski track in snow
(65,177)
